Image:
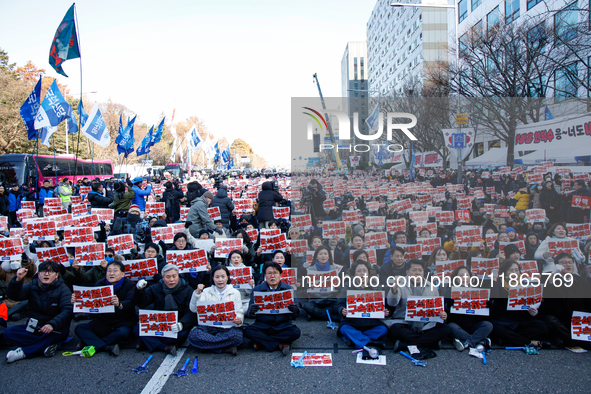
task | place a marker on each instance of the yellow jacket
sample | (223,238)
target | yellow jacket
(522,200)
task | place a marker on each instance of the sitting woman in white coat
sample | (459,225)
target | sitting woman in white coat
(219,339)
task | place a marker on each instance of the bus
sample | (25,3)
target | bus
(176,169)
(13,168)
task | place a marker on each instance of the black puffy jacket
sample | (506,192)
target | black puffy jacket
(97,200)
(267,199)
(49,304)
(225,204)
(155,295)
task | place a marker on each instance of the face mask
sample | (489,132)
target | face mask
(71,261)
(539,187)
(109,259)
(548,179)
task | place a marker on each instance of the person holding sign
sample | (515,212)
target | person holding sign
(49,309)
(219,339)
(514,328)
(417,333)
(171,293)
(575,214)
(557,232)
(468,330)
(106,330)
(236,259)
(566,293)
(272,331)
(325,300)
(360,332)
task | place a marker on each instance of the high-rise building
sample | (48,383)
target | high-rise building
(402,42)
(354,82)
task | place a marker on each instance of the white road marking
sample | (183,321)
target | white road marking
(163,373)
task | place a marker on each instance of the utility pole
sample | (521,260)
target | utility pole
(332,141)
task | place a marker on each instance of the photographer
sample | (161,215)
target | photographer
(315,196)
(268,197)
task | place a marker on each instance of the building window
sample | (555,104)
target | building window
(475,4)
(494,144)
(565,23)
(477,30)
(492,19)
(532,3)
(478,149)
(511,10)
(536,38)
(537,87)
(462,10)
(565,82)
(463,43)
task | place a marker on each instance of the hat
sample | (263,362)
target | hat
(510,249)
(508,229)
(201,232)
(134,207)
(137,179)
(292,228)
(118,186)
(357,228)
(208,194)
(512,209)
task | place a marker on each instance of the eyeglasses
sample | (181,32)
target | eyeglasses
(113,271)
(47,272)
(272,273)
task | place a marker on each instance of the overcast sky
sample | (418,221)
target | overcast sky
(234,64)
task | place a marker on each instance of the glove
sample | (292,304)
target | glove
(188,224)
(254,308)
(178,327)
(219,231)
(557,269)
(293,309)
(141,284)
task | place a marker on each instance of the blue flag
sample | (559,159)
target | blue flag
(413,159)
(96,129)
(226,155)
(547,114)
(194,140)
(72,124)
(65,43)
(157,136)
(53,110)
(29,110)
(231,164)
(82,114)
(125,138)
(144,147)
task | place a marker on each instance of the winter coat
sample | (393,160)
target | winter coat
(122,201)
(549,198)
(275,321)
(4,204)
(122,317)
(155,295)
(14,200)
(225,205)
(399,300)
(199,217)
(45,192)
(267,199)
(522,200)
(173,209)
(209,294)
(49,304)
(578,215)
(549,261)
(97,200)
(139,199)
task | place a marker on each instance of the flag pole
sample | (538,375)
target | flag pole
(54,160)
(79,115)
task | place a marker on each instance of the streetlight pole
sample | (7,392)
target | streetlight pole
(455,7)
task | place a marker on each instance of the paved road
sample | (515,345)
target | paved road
(261,372)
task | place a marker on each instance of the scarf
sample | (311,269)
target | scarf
(118,284)
(221,293)
(169,301)
(323,267)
